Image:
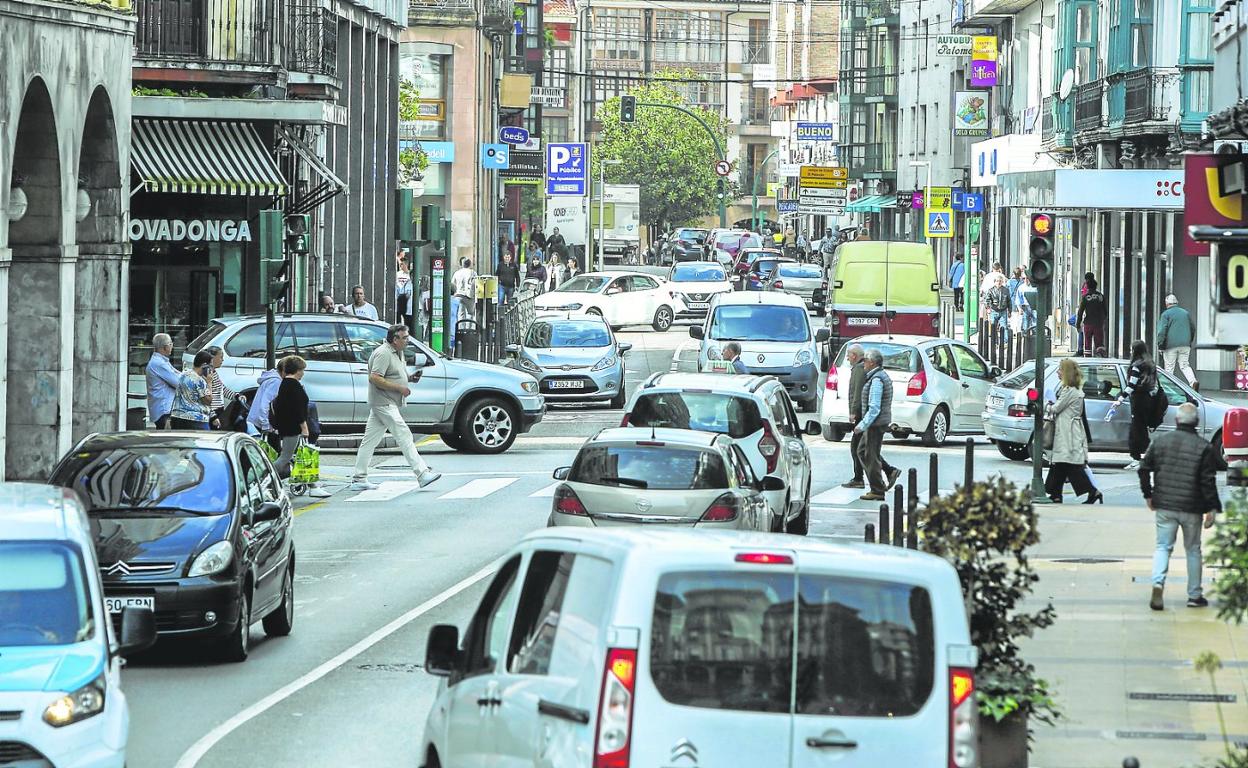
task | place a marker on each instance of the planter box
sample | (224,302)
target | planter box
(1003,744)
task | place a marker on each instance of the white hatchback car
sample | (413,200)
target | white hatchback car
(620,298)
(635,647)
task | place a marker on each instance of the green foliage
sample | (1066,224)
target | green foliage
(412,160)
(666,152)
(142,90)
(1209,663)
(1228,548)
(984,532)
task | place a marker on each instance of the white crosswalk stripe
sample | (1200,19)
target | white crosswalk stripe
(386,491)
(479,488)
(545,493)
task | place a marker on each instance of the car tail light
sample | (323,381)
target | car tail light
(834,379)
(722,510)
(963,718)
(615,712)
(918,384)
(769,446)
(1017,411)
(568,503)
(763,558)
(624,421)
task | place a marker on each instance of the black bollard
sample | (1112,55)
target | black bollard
(933,477)
(883,523)
(1130,762)
(912,528)
(899,508)
(899,526)
(912,485)
(969,465)
(868,534)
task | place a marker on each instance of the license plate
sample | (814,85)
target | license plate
(996,402)
(117,604)
(699,305)
(863,321)
(566,384)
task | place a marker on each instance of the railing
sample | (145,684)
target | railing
(444,12)
(242,33)
(1151,95)
(1047,121)
(875,159)
(1090,106)
(882,81)
(498,15)
(504,324)
(313,45)
(757,53)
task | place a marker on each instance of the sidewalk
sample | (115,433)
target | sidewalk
(1122,673)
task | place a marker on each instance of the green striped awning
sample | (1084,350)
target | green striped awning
(203,157)
(869,204)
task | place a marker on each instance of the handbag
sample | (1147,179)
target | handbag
(1046,434)
(306,468)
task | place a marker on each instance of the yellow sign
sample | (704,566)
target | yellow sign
(984,48)
(772,188)
(938,212)
(940,198)
(815,177)
(515,90)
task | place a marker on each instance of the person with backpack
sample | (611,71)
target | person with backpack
(1090,318)
(1147,401)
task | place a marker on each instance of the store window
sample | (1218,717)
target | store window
(427,73)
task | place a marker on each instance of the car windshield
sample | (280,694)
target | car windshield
(750,256)
(584,284)
(164,479)
(1022,376)
(652,467)
(705,411)
(548,334)
(763,266)
(793,269)
(759,322)
(696,235)
(695,273)
(44,599)
(897,357)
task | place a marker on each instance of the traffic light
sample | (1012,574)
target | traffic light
(628,109)
(297,232)
(274,279)
(1041,248)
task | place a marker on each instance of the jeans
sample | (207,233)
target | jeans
(957,299)
(507,293)
(383,419)
(1175,360)
(1168,525)
(1001,325)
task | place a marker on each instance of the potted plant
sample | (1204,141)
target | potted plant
(412,159)
(984,532)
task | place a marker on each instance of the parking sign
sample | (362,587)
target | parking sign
(567,169)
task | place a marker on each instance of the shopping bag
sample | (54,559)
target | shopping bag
(269,450)
(306,468)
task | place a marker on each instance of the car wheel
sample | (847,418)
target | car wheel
(938,430)
(281,621)
(453,440)
(662,318)
(235,646)
(1014,451)
(620,398)
(1219,453)
(833,434)
(487,425)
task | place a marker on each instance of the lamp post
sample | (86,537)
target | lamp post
(602,206)
(759,172)
(923,164)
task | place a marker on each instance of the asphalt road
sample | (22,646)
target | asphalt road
(376,570)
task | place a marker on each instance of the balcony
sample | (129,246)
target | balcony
(881,83)
(496,15)
(313,44)
(872,160)
(1090,106)
(171,33)
(1151,95)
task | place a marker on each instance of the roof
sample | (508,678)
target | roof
(30,511)
(900,338)
(559,8)
(160,438)
(287,316)
(687,437)
(716,382)
(774,298)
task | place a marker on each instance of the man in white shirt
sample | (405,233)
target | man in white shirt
(358,306)
(463,297)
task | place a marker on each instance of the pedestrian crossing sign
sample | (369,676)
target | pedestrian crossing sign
(939,224)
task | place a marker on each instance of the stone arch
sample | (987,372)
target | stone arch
(99,173)
(37,170)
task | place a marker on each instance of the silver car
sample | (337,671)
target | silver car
(939,387)
(574,359)
(1008,422)
(804,280)
(475,407)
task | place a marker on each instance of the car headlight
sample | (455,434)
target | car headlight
(606,362)
(529,365)
(803,358)
(570,307)
(212,560)
(79,705)
(528,386)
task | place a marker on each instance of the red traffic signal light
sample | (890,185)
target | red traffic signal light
(1041,248)
(1041,225)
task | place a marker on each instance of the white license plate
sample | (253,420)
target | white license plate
(699,305)
(116,604)
(566,385)
(996,402)
(863,321)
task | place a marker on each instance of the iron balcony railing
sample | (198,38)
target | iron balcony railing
(1090,106)
(495,15)
(313,44)
(1151,95)
(244,32)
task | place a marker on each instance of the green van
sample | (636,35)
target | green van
(877,286)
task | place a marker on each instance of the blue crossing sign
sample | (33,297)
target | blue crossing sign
(938,223)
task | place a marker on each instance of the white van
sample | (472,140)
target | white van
(636,647)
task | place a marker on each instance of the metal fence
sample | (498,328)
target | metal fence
(500,324)
(1003,347)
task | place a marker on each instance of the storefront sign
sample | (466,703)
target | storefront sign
(1202,204)
(816,132)
(984,48)
(194,230)
(983,74)
(938,221)
(970,113)
(954,45)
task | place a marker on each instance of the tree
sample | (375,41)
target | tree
(666,153)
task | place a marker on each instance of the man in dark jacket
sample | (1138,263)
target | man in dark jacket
(857,377)
(508,276)
(877,405)
(1178,478)
(1091,318)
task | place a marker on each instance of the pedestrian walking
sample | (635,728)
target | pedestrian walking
(221,394)
(1027,317)
(989,280)
(538,236)
(571,271)
(877,393)
(1175,333)
(554,272)
(1143,390)
(508,277)
(162,381)
(387,391)
(556,244)
(803,246)
(289,413)
(463,296)
(857,376)
(732,355)
(359,306)
(328,305)
(1069,454)
(999,303)
(1179,481)
(827,248)
(192,401)
(262,400)
(535,272)
(404,306)
(956,279)
(1091,316)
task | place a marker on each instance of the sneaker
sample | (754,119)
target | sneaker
(1155,602)
(362,485)
(428,477)
(319,492)
(893,474)
(872,496)
(1134,465)
(1197,602)
(854,483)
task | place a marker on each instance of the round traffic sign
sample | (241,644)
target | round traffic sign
(723,168)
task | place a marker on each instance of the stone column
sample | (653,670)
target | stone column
(99,339)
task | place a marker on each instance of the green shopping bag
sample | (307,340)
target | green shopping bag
(268,449)
(306,468)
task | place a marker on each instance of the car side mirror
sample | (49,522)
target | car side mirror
(138,630)
(995,372)
(442,656)
(624,346)
(267,513)
(814,428)
(822,335)
(612,291)
(695,331)
(512,349)
(561,473)
(771,483)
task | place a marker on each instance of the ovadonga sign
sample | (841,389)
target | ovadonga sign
(195,230)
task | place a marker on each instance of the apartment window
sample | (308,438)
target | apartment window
(1197,32)
(758,51)
(688,37)
(609,84)
(916,45)
(1083,42)
(914,128)
(923,28)
(617,33)
(1197,84)
(554,129)
(922,128)
(1142,34)
(556,73)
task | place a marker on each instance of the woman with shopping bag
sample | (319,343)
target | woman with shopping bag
(1066,437)
(289,414)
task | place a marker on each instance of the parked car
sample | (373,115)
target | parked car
(475,407)
(670,477)
(879,286)
(620,298)
(1008,422)
(939,387)
(693,284)
(61,698)
(684,244)
(195,526)
(620,647)
(758,276)
(756,412)
(804,280)
(574,359)
(776,339)
(745,260)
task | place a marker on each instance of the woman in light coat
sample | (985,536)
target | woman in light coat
(1069,456)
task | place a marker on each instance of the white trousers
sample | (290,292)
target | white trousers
(1177,357)
(383,419)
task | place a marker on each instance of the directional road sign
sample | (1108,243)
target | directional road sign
(567,169)
(831,194)
(824,178)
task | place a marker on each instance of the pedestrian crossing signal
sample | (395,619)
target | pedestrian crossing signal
(938,224)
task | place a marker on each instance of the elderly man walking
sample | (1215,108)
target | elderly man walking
(877,393)
(1175,334)
(162,381)
(857,376)
(1178,477)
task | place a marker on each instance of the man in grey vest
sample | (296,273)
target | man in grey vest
(857,377)
(877,393)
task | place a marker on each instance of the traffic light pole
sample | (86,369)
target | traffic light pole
(719,150)
(758,172)
(1038,494)
(270,343)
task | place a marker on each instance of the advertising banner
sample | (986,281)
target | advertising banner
(1201,202)
(970,113)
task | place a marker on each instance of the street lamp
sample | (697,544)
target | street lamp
(602,206)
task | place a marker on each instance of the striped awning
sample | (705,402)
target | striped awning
(205,157)
(869,204)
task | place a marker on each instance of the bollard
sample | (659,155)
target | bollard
(868,534)
(912,528)
(899,505)
(912,485)
(969,465)
(933,477)
(883,523)
(899,526)
(1130,762)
